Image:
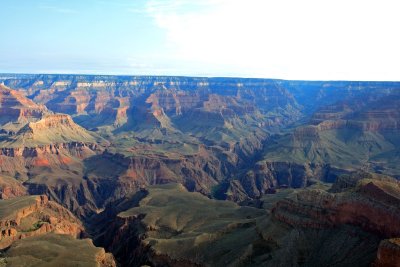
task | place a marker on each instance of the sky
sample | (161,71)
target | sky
(286,39)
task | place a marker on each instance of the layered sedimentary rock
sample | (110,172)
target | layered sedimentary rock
(85,179)
(372,206)
(234,115)
(266,176)
(39,232)
(16,109)
(367,202)
(46,151)
(210,232)
(141,229)
(10,188)
(357,132)
(45,169)
(109,97)
(51,129)
(27,216)
(245,140)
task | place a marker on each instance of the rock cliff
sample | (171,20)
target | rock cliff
(318,209)
(16,110)
(28,216)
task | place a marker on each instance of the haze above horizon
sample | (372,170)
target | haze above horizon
(287,39)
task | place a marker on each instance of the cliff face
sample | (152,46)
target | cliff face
(150,234)
(368,203)
(265,176)
(85,179)
(16,109)
(372,207)
(10,188)
(53,129)
(35,215)
(374,115)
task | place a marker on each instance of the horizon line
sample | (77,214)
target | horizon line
(196,76)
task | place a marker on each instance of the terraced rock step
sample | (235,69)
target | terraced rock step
(27,216)
(51,250)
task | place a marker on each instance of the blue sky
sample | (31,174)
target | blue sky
(291,39)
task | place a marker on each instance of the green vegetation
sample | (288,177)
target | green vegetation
(35,226)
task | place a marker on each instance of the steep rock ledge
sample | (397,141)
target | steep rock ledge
(35,215)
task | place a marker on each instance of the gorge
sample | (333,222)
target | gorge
(189,171)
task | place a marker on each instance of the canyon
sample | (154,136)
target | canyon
(189,171)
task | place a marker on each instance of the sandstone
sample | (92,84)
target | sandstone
(17,213)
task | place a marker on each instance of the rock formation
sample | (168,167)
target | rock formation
(56,250)
(91,142)
(208,233)
(28,216)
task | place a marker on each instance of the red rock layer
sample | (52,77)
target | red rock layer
(16,106)
(54,217)
(371,208)
(10,188)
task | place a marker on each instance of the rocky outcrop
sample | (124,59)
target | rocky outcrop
(52,129)
(176,102)
(372,206)
(24,162)
(149,234)
(52,121)
(35,215)
(16,109)
(265,176)
(10,188)
(374,114)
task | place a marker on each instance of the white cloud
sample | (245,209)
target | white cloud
(308,39)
